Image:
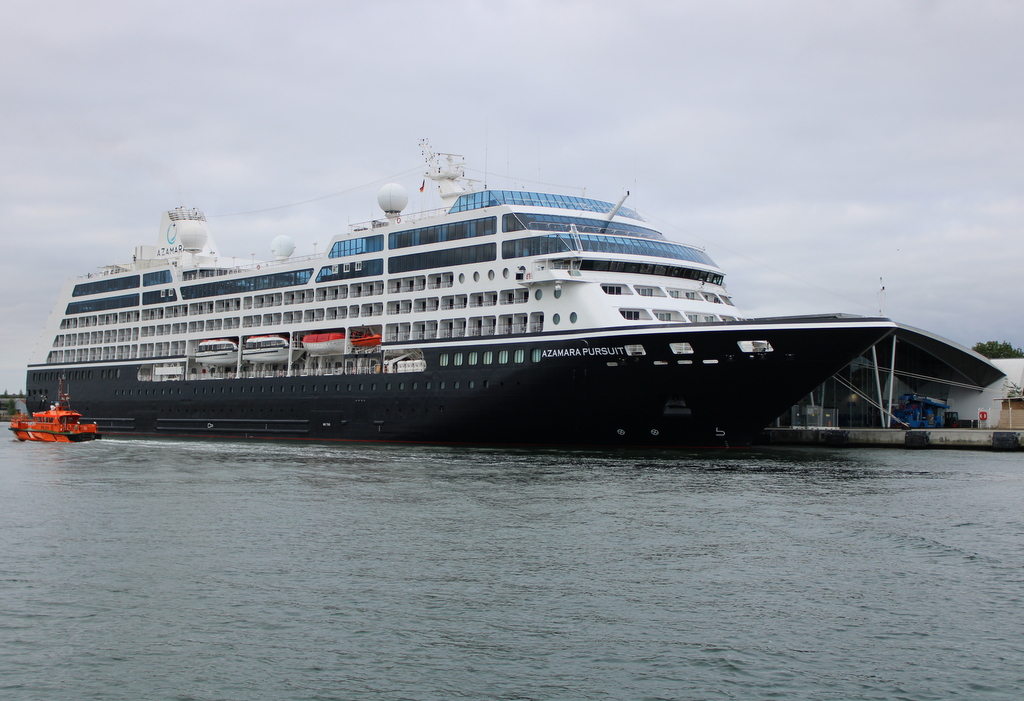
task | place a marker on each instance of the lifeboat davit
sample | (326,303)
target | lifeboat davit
(57,425)
(217,351)
(321,344)
(265,349)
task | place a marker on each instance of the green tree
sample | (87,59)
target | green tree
(995,349)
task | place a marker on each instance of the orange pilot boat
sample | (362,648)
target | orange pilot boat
(57,425)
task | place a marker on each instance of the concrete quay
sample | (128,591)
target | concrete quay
(918,438)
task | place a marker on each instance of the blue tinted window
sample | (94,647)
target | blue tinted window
(364,268)
(247,284)
(443,232)
(493,198)
(160,277)
(106,285)
(99,305)
(354,247)
(158,296)
(443,258)
(559,243)
(557,222)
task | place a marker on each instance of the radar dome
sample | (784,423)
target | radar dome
(191,234)
(282,246)
(392,199)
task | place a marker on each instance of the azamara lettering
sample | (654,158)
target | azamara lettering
(579,352)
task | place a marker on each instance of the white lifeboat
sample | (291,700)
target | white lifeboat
(265,349)
(217,351)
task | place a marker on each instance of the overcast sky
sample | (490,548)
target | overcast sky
(813,148)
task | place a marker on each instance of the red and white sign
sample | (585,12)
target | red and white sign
(983,415)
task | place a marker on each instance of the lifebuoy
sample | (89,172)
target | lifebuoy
(257,266)
(398,220)
(983,416)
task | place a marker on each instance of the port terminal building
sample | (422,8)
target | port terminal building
(978,391)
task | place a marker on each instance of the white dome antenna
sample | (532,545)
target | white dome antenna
(392,199)
(282,247)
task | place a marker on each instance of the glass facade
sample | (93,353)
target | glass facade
(160,277)
(106,285)
(493,198)
(158,296)
(443,259)
(354,247)
(560,243)
(99,305)
(625,266)
(347,271)
(444,232)
(247,284)
(557,222)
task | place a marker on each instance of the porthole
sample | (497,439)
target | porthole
(440,385)
(573,317)
(558,291)
(476,276)
(490,274)
(387,386)
(555,318)
(538,294)
(373,386)
(462,278)
(504,273)
(472,384)
(455,385)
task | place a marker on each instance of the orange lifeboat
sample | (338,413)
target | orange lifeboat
(57,425)
(365,339)
(321,344)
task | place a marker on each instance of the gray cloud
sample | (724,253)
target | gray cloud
(811,147)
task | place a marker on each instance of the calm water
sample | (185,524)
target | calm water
(222,570)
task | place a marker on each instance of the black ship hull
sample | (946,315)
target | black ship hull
(621,387)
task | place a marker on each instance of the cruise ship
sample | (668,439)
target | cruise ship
(504,317)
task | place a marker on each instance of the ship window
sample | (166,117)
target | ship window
(535,355)
(612,289)
(635,349)
(443,360)
(443,232)
(443,258)
(473,358)
(681,348)
(520,355)
(555,319)
(503,357)
(472,384)
(755,346)
(108,285)
(573,318)
(488,357)
(353,247)
(458,358)
(630,314)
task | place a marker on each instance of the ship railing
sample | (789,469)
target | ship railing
(371,224)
